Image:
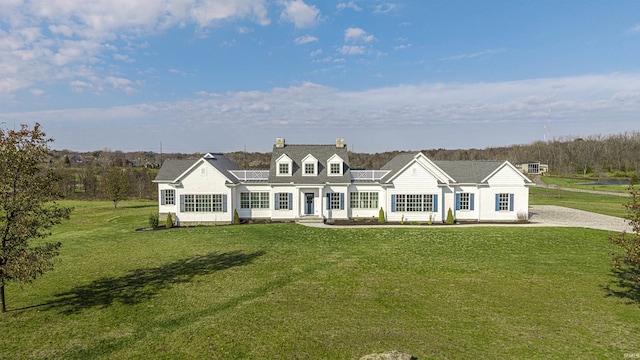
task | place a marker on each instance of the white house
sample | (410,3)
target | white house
(315,183)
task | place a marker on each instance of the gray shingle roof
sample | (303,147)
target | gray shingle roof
(396,164)
(172,168)
(467,171)
(464,172)
(298,152)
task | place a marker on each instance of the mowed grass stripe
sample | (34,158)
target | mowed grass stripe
(284,291)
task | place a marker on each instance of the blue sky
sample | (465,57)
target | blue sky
(224,75)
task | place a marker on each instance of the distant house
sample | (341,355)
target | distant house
(533,168)
(316,183)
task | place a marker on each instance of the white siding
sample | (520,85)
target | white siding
(204,179)
(415,179)
(366,213)
(336,213)
(253,213)
(285,214)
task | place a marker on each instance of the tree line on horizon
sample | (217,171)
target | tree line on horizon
(598,156)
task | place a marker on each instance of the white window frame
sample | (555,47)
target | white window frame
(363,200)
(465,201)
(504,202)
(283,201)
(414,203)
(254,200)
(168,196)
(334,201)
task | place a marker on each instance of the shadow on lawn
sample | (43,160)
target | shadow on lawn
(624,285)
(143,284)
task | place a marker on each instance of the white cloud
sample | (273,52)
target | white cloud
(315,53)
(634,29)
(357,35)
(473,55)
(300,14)
(510,111)
(79,32)
(385,8)
(352,50)
(305,39)
(348,5)
(245,30)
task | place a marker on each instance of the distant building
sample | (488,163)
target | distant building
(533,168)
(316,183)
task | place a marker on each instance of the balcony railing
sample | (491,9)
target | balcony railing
(368,175)
(250,175)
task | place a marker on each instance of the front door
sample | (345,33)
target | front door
(309,202)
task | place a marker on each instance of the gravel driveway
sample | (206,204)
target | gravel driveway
(540,215)
(551,215)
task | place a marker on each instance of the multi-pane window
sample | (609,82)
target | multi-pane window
(533,168)
(202,203)
(283,168)
(168,197)
(503,202)
(254,200)
(334,168)
(309,168)
(283,201)
(414,202)
(189,203)
(334,201)
(363,200)
(464,202)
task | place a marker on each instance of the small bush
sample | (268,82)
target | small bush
(236,217)
(169,222)
(154,220)
(381,218)
(430,222)
(450,219)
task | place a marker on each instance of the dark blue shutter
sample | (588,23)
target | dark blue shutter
(275,201)
(162,192)
(511,202)
(181,203)
(471,201)
(497,202)
(457,201)
(341,201)
(224,203)
(435,202)
(393,203)
(328,201)
(290,201)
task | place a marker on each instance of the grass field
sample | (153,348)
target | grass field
(586,183)
(598,203)
(285,291)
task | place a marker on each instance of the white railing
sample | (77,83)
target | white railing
(368,175)
(250,175)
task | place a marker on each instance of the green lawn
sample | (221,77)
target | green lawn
(285,291)
(580,183)
(601,204)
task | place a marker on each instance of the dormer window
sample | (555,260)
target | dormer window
(309,169)
(309,166)
(335,165)
(284,164)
